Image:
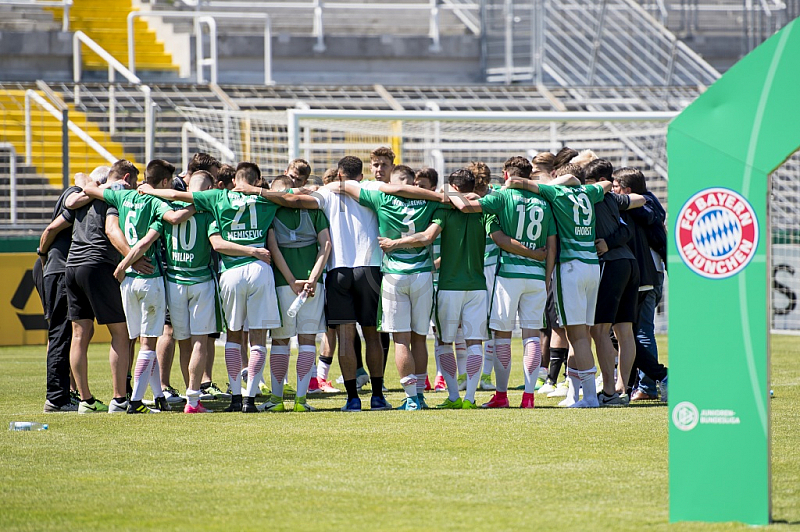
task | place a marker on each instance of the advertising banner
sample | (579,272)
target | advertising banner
(721,151)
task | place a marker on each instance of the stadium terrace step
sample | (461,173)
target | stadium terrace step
(105,21)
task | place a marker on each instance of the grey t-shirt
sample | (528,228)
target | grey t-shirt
(59,249)
(90,245)
(612,229)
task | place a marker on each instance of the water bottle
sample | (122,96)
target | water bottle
(297,303)
(26,425)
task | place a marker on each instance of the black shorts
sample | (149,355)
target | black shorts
(550,315)
(93,293)
(352,295)
(618,293)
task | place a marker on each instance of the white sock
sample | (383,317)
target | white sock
(141,374)
(233,362)
(255,368)
(193,396)
(323,369)
(488,357)
(421,378)
(531,360)
(587,378)
(461,352)
(155,378)
(447,361)
(278,367)
(305,363)
(502,363)
(436,359)
(409,384)
(474,363)
(573,394)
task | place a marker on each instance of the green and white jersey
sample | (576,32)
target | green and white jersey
(573,208)
(527,218)
(399,217)
(300,259)
(137,215)
(492,254)
(241,218)
(463,247)
(188,248)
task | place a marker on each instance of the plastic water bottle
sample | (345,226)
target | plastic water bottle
(297,303)
(26,425)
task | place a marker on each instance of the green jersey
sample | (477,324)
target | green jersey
(492,251)
(292,229)
(463,246)
(573,208)
(188,248)
(241,218)
(137,215)
(527,218)
(399,217)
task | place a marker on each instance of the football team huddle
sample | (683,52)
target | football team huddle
(566,249)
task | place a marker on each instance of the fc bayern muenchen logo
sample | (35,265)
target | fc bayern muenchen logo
(717,233)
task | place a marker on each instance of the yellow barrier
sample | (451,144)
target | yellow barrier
(21,315)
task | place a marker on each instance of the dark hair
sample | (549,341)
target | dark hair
(351,166)
(483,176)
(462,179)
(573,169)
(518,166)
(120,168)
(157,171)
(430,174)
(631,178)
(203,161)
(599,170)
(406,171)
(563,156)
(284,180)
(250,172)
(226,174)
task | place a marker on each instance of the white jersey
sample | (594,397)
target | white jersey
(353,228)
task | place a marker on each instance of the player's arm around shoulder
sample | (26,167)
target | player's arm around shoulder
(136,253)
(417,240)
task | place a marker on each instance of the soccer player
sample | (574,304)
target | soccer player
(520,285)
(300,243)
(143,297)
(619,286)
(461,295)
(191,289)
(406,287)
(577,273)
(93,292)
(247,287)
(298,171)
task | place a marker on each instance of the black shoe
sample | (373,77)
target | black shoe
(162,404)
(236,404)
(249,406)
(136,407)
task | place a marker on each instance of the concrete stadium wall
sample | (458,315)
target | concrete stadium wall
(26,56)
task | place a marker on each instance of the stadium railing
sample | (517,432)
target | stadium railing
(220,147)
(12,170)
(113,66)
(318,8)
(65,5)
(209,19)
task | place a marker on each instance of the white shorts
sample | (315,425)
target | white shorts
(575,291)
(489,272)
(465,308)
(145,305)
(310,318)
(192,309)
(406,302)
(514,297)
(248,296)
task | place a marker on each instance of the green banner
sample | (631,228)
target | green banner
(721,151)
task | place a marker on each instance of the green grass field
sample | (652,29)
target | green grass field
(550,468)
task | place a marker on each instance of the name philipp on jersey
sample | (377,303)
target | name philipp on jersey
(178,256)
